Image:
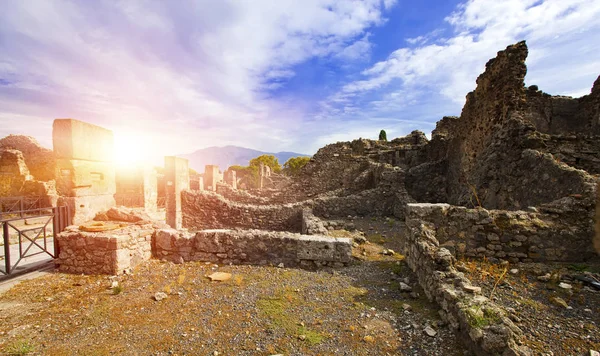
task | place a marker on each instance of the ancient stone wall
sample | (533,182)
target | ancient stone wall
(513,173)
(515,236)
(252,247)
(578,151)
(41,161)
(85,174)
(461,303)
(208,210)
(597,225)
(561,115)
(312,225)
(13,172)
(109,252)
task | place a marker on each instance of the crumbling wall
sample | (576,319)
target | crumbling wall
(461,303)
(563,115)
(13,172)
(41,161)
(252,247)
(500,92)
(515,236)
(578,151)
(513,173)
(208,210)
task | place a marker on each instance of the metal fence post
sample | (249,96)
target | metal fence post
(6,247)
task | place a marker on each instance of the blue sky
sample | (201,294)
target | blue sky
(175,76)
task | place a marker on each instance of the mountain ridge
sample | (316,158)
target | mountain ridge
(230,155)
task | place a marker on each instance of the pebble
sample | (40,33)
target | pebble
(559,301)
(158,296)
(565,285)
(544,278)
(429,331)
(405,287)
(514,271)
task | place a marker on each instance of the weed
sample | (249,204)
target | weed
(534,304)
(312,337)
(117,289)
(578,267)
(498,281)
(395,267)
(20,347)
(479,317)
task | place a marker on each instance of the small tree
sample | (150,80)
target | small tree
(382,135)
(293,165)
(267,160)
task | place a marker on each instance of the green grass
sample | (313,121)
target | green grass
(479,317)
(278,310)
(312,337)
(376,239)
(20,347)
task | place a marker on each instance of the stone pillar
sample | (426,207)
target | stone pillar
(201,183)
(231,179)
(597,236)
(150,190)
(261,174)
(85,174)
(211,177)
(177,179)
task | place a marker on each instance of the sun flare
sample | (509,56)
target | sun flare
(131,149)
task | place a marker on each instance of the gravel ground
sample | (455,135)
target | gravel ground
(558,314)
(357,310)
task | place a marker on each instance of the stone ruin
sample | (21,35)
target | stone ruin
(514,178)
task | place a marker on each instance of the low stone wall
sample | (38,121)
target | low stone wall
(109,252)
(241,196)
(208,210)
(252,247)
(312,225)
(516,236)
(480,323)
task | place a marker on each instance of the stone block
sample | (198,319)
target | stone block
(85,208)
(84,178)
(74,139)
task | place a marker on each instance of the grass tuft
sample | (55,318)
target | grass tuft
(20,347)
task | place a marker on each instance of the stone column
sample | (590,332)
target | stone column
(150,190)
(177,179)
(201,183)
(231,179)
(211,177)
(261,174)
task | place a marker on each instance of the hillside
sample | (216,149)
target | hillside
(230,155)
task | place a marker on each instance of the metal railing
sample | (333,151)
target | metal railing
(32,240)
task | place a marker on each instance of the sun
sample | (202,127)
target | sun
(130,148)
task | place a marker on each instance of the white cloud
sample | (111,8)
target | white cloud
(563,39)
(188,74)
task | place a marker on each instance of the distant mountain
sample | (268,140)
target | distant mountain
(230,156)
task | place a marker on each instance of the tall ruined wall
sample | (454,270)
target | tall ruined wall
(500,92)
(514,172)
(564,115)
